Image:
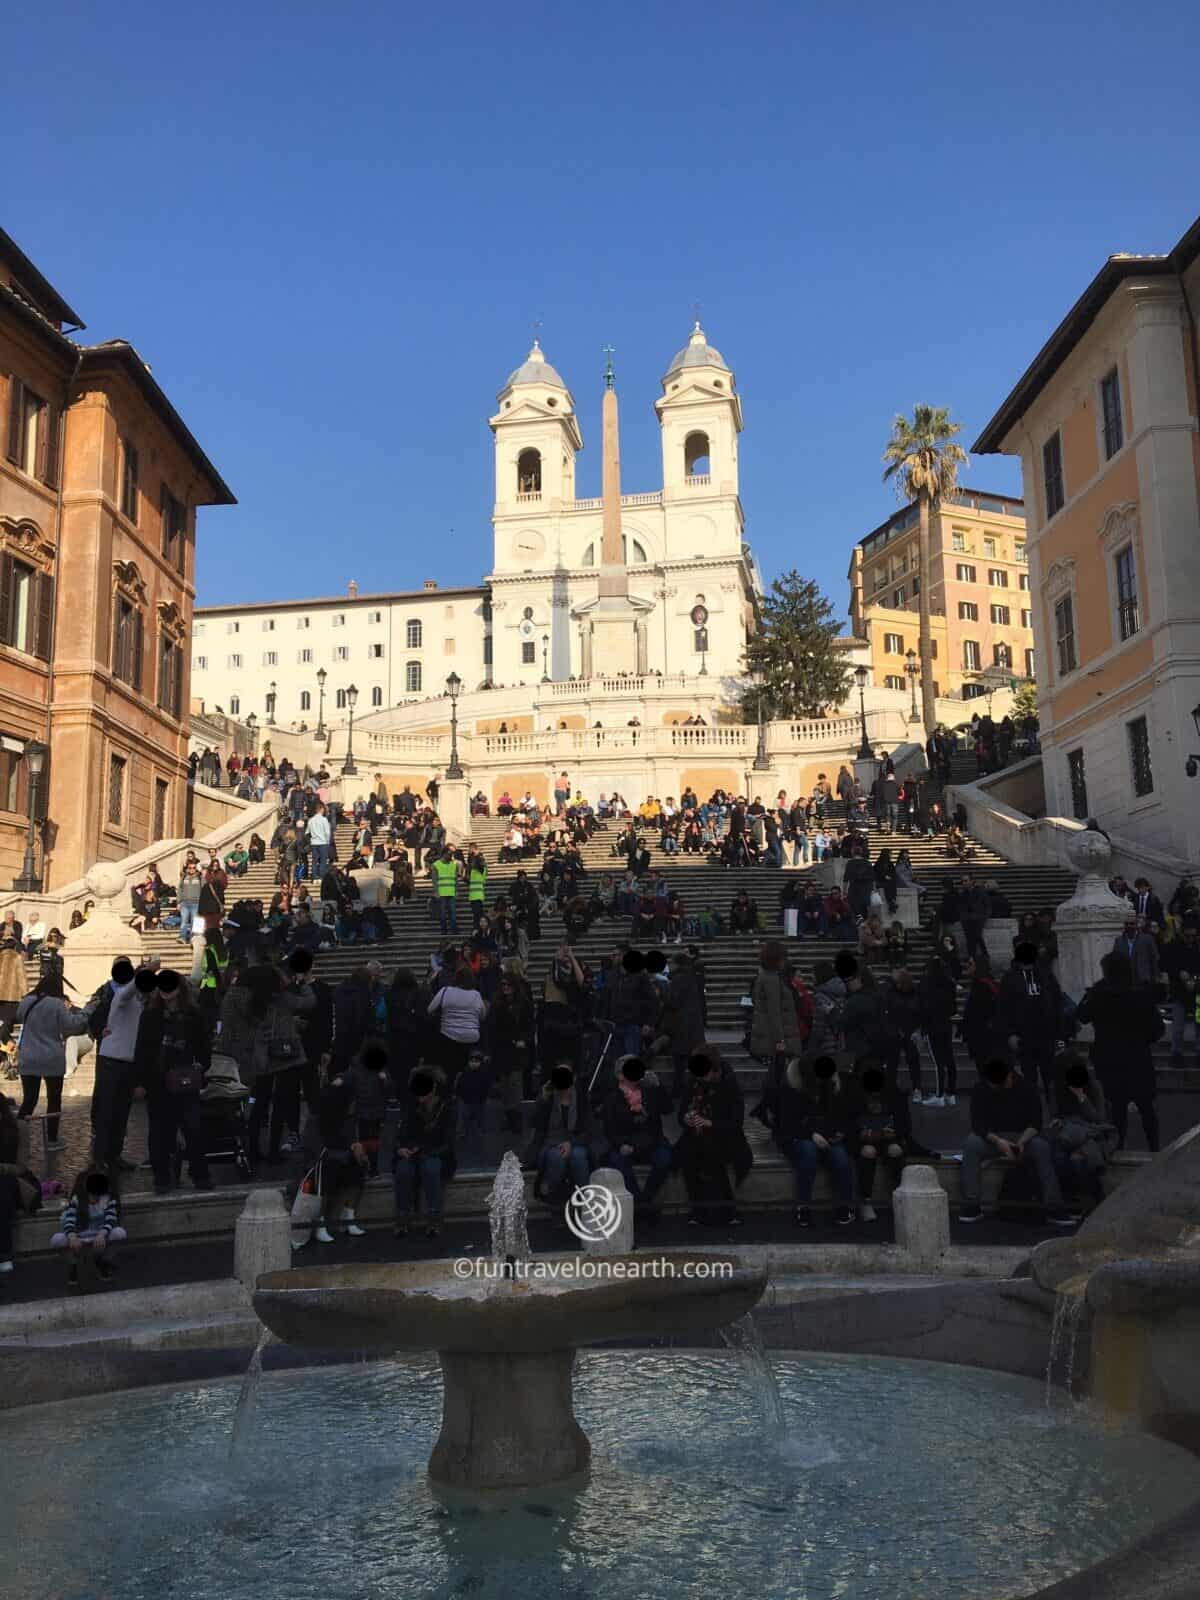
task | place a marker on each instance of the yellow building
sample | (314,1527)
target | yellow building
(979,594)
(1105,423)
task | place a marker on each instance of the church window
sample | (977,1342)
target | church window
(305,700)
(695,455)
(551,401)
(412,677)
(376,696)
(528,613)
(341,699)
(700,640)
(528,653)
(529,472)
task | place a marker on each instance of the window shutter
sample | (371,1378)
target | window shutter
(48,446)
(164,512)
(117,663)
(41,616)
(16,405)
(135,677)
(6,573)
(177,681)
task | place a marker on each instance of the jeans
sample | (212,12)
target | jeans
(800,851)
(187,917)
(554,1167)
(477,910)
(906,1047)
(945,1068)
(627,1039)
(804,1156)
(972,929)
(892,1156)
(893,816)
(775,852)
(320,861)
(447,913)
(170,1115)
(1037,1152)
(660,1171)
(112,1097)
(408,1171)
(1183,1014)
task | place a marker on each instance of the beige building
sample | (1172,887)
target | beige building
(980,599)
(1105,423)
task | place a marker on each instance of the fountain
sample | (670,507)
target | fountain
(506,1330)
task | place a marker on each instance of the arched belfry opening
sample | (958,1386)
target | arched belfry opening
(529,472)
(696,463)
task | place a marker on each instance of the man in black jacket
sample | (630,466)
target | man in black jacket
(1005,1118)
(1181,968)
(1029,1013)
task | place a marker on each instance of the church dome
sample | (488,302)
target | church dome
(697,352)
(535,369)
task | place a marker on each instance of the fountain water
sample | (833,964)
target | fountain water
(247,1396)
(746,1342)
(508,1214)
(1064,1334)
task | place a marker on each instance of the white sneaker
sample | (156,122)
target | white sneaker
(866,1213)
(6,1266)
(355,1232)
(322,1234)
(951,1099)
(917,1097)
(935,1100)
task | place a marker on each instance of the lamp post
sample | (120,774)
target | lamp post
(1191,766)
(453,687)
(912,669)
(271,690)
(704,663)
(865,753)
(545,658)
(349,770)
(761,764)
(251,724)
(321,733)
(30,881)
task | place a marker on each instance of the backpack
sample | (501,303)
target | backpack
(98,1008)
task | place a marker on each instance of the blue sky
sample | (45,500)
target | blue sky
(329,231)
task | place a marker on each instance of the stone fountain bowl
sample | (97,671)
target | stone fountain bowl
(423,1306)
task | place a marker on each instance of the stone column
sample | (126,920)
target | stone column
(91,950)
(262,1237)
(507,1420)
(454,808)
(1089,922)
(921,1209)
(620,1241)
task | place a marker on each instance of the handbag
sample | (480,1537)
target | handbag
(184,1080)
(306,1207)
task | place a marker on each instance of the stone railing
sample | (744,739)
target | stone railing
(426,747)
(532,497)
(595,503)
(584,688)
(697,480)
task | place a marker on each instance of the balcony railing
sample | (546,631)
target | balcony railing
(698,480)
(532,495)
(595,503)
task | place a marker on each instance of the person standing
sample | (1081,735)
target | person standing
(47,1022)
(974,907)
(172,1055)
(1127,1022)
(116,1015)
(476,886)
(188,894)
(320,840)
(444,871)
(1029,1013)
(1181,966)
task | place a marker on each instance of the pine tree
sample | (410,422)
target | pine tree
(793,661)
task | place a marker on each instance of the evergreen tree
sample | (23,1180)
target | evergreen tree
(793,655)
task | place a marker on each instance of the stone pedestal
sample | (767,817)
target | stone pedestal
(921,1209)
(998,936)
(507,1421)
(454,808)
(261,1237)
(620,1243)
(1089,922)
(91,950)
(908,907)
(831,872)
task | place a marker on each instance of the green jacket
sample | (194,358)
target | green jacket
(477,888)
(445,878)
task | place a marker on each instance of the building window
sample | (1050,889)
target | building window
(376,696)
(32,434)
(959,542)
(1078,780)
(129,482)
(449,613)
(968,611)
(916,586)
(1002,655)
(1026,617)
(881,580)
(447,647)
(233,627)
(116,790)
(1110,405)
(268,625)
(198,628)
(174,529)
(375,652)
(1139,756)
(899,596)
(971,655)
(303,622)
(487,650)
(1064,634)
(1052,473)
(1127,595)
(893,681)
(528,653)
(1001,615)
(989,547)
(965,572)
(699,640)
(270,658)
(305,658)
(26,607)
(200,663)
(235,705)
(937,693)
(162,790)
(339,619)
(412,677)
(269,704)
(412,634)
(893,644)
(997,578)
(234,661)
(127,643)
(170,676)
(1020,554)
(13,783)
(1023,581)
(933,649)
(374,616)
(305,700)
(341,652)
(340,700)
(1029,672)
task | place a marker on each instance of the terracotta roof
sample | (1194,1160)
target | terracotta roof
(1075,324)
(344,600)
(50,301)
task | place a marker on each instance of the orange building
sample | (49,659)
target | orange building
(979,594)
(99,484)
(1105,423)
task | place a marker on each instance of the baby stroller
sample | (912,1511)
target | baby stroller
(223,1108)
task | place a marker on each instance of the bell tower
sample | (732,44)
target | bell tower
(537,439)
(700,417)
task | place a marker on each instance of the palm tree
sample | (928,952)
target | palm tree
(924,462)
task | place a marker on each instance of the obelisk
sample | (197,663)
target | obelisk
(614,631)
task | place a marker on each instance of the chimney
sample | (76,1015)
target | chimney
(352,589)
(430,583)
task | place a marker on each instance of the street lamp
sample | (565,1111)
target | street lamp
(1191,766)
(912,669)
(865,753)
(545,658)
(251,724)
(321,733)
(704,663)
(271,703)
(30,881)
(453,687)
(349,770)
(761,764)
